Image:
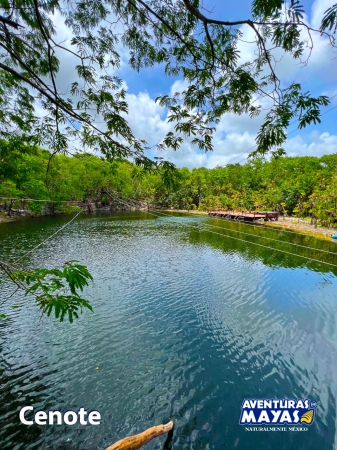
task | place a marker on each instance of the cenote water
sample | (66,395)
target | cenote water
(186,324)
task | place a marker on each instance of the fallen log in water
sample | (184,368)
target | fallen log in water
(138,440)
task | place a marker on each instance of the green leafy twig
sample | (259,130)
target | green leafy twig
(56,290)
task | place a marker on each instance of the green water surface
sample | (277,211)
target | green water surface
(187,323)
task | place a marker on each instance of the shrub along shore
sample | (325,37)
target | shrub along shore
(302,188)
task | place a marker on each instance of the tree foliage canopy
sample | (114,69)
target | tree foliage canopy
(179,35)
(304,186)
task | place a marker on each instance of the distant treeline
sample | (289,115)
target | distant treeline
(302,186)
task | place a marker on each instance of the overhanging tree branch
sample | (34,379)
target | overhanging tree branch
(10,23)
(156,32)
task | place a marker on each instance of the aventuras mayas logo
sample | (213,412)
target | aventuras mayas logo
(274,411)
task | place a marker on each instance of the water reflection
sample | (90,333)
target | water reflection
(186,325)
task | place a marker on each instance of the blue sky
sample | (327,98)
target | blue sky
(236,134)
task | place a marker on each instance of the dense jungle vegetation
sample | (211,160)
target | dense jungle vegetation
(300,186)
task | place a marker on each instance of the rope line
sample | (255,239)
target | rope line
(243,240)
(263,237)
(253,243)
(209,225)
(259,226)
(222,218)
(47,239)
(262,226)
(127,204)
(35,200)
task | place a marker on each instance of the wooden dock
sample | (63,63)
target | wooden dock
(266,216)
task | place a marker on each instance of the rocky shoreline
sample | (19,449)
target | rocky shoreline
(302,226)
(22,212)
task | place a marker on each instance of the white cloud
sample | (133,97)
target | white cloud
(233,140)
(178,86)
(148,121)
(322,64)
(235,134)
(317,11)
(322,144)
(225,150)
(144,116)
(231,122)
(68,61)
(230,149)
(186,156)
